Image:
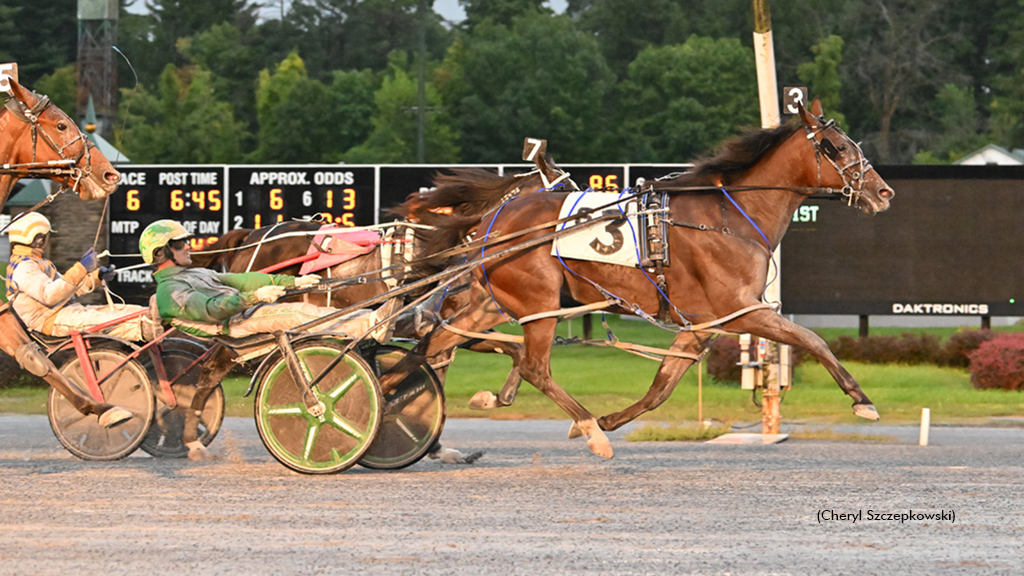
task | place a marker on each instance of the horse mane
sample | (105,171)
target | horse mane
(456,203)
(466,192)
(734,157)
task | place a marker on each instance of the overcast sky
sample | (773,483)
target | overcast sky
(449,9)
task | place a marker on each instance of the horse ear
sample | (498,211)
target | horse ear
(806,117)
(16,90)
(816,108)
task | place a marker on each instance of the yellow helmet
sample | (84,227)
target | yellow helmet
(25,229)
(157,235)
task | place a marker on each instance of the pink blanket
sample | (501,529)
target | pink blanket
(338,246)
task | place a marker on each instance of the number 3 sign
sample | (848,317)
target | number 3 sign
(8,71)
(793,98)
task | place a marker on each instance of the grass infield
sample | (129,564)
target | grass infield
(606,380)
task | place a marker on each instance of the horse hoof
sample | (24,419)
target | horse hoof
(575,431)
(450,456)
(483,400)
(197,451)
(866,411)
(596,439)
(601,447)
(114,416)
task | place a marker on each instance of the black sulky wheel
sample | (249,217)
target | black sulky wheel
(128,388)
(414,413)
(165,436)
(351,402)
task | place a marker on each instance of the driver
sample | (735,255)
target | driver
(44,299)
(206,304)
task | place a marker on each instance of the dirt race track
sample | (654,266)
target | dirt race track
(536,503)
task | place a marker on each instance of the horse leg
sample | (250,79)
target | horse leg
(671,370)
(213,370)
(486,400)
(15,341)
(536,369)
(772,326)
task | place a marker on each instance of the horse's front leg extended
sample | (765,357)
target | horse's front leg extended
(768,324)
(536,369)
(671,370)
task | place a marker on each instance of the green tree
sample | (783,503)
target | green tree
(226,51)
(957,113)
(10,32)
(662,22)
(393,140)
(44,37)
(271,92)
(181,122)
(542,77)
(62,88)
(354,105)
(1006,104)
(499,11)
(822,76)
(680,101)
(302,120)
(355,35)
(899,55)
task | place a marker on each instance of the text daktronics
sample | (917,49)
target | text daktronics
(954,309)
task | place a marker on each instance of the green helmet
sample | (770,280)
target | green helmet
(157,235)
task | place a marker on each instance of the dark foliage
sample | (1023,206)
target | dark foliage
(999,363)
(960,345)
(723,360)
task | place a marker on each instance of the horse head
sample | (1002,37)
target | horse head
(851,174)
(42,134)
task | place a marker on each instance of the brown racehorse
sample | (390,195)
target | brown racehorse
(463,192)
(720,246)
(34,133)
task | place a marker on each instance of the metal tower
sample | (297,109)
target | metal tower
(97,67)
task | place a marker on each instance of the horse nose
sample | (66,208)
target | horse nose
(886,193)
(112,177)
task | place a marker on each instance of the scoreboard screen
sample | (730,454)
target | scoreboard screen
(192,195)
(948,245)
(264,195)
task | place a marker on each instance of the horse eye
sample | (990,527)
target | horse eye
(842,147)
(61,126)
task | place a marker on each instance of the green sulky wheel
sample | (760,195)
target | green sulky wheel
(413,414)
(352,407)
(127,388)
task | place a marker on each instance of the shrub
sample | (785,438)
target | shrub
(907,349)
(960,345)
(999,363)
(13,376)
(724,358)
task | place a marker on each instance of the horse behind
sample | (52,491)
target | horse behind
(38,140)
(724,219)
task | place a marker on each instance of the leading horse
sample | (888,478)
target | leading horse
(724,219)
(41,141)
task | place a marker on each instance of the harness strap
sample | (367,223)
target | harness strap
(260,245)
(569,312)
(626,346)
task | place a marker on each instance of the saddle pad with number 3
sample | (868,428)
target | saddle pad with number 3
(609,241)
